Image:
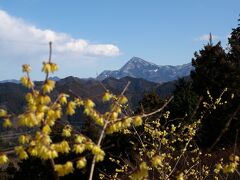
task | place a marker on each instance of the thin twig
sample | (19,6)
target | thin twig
(49,59)
(139,137)
(149,114)
(235,143)
(158,110)
(175,166)
(47,75)
(102,134)
(50,52)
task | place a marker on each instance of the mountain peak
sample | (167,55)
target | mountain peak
(137,60)
(136,63)
(139,68)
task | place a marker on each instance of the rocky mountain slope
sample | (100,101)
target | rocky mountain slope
(139,68)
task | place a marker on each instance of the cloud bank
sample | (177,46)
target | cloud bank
(23,43)
(17,31)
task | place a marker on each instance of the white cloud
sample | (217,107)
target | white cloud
(24,43)
(205,37)
(19,33)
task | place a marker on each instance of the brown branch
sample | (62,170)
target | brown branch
(104,87)
(175,166)
(149,114)
(158,110)
(49,59)
(50,52)
(102,134)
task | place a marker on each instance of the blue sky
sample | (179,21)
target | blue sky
(93,35)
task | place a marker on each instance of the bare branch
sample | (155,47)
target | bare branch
(102,134)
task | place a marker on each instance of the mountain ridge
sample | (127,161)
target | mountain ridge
(140,68)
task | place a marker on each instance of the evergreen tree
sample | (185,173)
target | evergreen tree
(185,99)
(234,59)
(216,70)
(234,45)
(211,70)
(150,102)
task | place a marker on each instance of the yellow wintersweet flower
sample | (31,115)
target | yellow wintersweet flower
(233,157)
(81,163)
(54,67)
(23,139)
(66,132)
(53,154)
(89,103)
(64,169)
(33,151)
(89,145)
(99,121)
(127,122)
(63,99)
(79,148)
(39,116)
(111,129)
(52,116)
(44,99)
(3,159)
(26,68)
(62,147)
(114,116)
(28,120)
(3,113)
(230,168)
(7,123)
(29,98)
(106,97)
(158,160)
(48,86)
(80,139)
(123,99)
(46,67)
(26,82)
(98,152)
(42,108)
(71,108)
(142,173)
(180,176)
(21,152)
(137,121)
(46,129)
(218,168)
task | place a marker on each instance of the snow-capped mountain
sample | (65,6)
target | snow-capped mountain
(139,68)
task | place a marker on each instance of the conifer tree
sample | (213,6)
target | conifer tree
(211,70)
(185,99)
(216,70)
